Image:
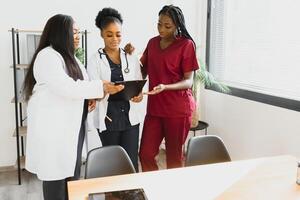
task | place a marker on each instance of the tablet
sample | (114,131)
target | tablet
(134,194)
(131,89)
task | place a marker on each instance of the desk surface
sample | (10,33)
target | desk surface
(264,178)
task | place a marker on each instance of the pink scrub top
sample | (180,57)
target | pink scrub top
(167,66)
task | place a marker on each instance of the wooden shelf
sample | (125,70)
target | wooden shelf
(22,163)
(35,31)
(22,131)
(26,31)
(19,100)
(21,66)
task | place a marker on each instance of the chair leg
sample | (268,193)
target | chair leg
(206,131)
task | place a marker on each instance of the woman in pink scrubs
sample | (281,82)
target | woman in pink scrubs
(170,61)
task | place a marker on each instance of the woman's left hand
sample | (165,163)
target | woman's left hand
(138,98)
(91,105)
(156,90)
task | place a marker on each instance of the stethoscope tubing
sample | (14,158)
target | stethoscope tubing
(126,70)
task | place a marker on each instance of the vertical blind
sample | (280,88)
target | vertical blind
(255,45)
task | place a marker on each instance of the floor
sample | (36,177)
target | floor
(31,188)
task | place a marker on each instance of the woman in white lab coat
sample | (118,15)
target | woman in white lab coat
(56,87)
(117,121)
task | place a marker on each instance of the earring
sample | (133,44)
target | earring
(179,31)
(176,33)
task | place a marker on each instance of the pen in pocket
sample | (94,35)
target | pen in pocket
(109,119)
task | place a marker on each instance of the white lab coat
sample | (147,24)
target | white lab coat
(54,116)
(99,69)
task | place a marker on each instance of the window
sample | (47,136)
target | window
(254,47)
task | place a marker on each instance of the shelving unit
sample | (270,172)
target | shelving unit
(20,131)
(21,66)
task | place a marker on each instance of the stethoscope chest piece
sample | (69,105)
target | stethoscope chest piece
(126,70)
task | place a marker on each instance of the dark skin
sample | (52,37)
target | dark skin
(112,36)
(167,29)
(107,86)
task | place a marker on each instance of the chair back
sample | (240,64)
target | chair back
(108,161)
(206,150)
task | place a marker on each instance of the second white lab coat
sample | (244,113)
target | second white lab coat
(99,69)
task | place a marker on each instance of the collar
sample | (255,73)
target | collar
(101,51)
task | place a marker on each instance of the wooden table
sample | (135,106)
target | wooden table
(263,178)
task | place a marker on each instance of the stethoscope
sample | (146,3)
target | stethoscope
(126,70)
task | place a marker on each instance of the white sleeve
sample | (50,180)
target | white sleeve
(138,68)
(49,70)
(93,69)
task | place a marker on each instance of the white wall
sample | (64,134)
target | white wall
(140,18)
(252,129)
(33,14)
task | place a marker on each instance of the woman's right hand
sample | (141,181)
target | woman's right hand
(111,88)
(129,48)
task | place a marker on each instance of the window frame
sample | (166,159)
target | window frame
(242,93)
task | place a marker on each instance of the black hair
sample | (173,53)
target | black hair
(107,16)
(176,14)
(57,33)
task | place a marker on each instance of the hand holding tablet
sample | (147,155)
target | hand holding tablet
(131,89)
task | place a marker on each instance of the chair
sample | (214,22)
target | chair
(205,150)
(108,161)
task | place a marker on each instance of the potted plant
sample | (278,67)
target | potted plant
(203,77)
(79,53)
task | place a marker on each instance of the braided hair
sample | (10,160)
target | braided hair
(175,13)
(107,16)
